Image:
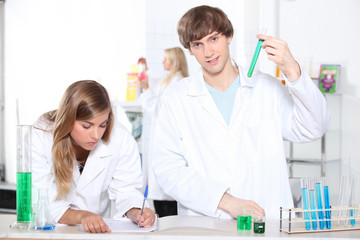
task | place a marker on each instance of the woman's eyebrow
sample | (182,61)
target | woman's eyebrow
(91,123)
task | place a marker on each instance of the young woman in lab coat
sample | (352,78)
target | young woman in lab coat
(175,63)
(86,160)
(218,144)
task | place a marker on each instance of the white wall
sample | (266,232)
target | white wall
(326,32)
(49,44)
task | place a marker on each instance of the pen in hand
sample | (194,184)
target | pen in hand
(142,208)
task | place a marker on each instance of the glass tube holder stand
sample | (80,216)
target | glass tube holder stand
(291,223)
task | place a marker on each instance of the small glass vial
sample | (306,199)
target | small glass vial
(259,224)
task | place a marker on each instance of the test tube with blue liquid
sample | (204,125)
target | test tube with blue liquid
(313,203)
(304,191)
(327,202)
(256,54)
(352,199)
(320,203)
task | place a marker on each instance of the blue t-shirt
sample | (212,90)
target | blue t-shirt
(225,100)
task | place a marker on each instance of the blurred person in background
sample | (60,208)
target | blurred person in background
(176,65)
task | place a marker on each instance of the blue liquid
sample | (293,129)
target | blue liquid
(327,206)
(320,206)
(352,221)
(306,207)
(313,207)
(45,227)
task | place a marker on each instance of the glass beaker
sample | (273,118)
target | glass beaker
(41,217)
(244,219)
(259,224)
(23,176)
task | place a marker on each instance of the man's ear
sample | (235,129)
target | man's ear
(229,39)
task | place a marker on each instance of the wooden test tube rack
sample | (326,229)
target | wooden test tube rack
(340,219)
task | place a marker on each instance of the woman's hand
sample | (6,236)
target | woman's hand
(91,222)
(143,78)
(94,223)
(278,52)
(232,204)
(144,83)
(147,219)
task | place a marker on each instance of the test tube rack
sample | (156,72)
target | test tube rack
(340,219)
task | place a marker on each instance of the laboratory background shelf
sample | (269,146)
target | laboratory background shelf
(323,151)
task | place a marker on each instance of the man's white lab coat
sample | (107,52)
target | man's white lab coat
(150,101)
(198,157)
(112,172)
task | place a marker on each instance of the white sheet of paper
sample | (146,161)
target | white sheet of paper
(126,225)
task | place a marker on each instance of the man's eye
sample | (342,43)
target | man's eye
(196,45)
(214,39)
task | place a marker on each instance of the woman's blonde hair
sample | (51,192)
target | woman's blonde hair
(178,63)
(82,100)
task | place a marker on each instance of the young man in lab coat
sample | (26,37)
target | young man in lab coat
(219,137)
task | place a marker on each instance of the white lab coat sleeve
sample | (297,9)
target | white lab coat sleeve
(42,173)
(305,112)
(173,170)
(127,177)
(150,98)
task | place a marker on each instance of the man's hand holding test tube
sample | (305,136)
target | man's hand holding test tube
(277,51)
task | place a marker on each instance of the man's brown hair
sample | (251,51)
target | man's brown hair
(201,21)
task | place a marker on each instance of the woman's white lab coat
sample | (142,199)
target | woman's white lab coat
(112,172)
(150,101)
(198,157)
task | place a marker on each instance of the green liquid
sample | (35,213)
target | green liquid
(244,222)
(23,196)
(259,227)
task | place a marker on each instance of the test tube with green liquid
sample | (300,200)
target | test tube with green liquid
(23,178)
(256,54)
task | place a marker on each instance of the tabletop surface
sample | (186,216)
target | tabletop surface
(172,227)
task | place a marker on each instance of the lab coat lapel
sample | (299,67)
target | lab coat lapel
(239,104)
(95,164)
(199,90)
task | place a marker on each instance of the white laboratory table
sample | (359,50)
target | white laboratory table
(170,228)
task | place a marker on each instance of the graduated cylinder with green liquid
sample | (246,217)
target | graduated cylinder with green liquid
(23,196)
(23,178)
